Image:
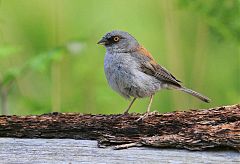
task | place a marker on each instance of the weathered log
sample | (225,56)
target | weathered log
(193,130)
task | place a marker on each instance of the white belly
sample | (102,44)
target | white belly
(124,76)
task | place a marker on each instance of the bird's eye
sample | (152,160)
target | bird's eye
(116,39)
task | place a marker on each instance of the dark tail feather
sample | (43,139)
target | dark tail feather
(195,94)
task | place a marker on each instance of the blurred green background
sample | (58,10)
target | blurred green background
(49,59)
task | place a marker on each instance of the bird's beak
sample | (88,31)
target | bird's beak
(103,41)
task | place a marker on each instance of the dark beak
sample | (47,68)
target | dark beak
(103,41)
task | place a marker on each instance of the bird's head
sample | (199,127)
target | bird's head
(119,41)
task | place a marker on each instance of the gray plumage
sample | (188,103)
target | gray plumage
(131,70)
(124,75)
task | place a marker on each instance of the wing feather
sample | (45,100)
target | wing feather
(151,67)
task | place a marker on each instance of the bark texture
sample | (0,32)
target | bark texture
(193,130)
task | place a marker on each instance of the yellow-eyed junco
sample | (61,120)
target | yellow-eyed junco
(132,71)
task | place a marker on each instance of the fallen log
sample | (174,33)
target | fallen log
(194,130)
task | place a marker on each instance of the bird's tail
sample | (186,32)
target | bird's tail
(194,93)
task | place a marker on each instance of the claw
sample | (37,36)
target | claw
(142,117)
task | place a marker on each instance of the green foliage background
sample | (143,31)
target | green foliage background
(198,41)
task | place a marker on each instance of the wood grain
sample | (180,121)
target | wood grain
(68,151)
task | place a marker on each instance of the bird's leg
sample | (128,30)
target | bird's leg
(150,104)
(130,105)
(148,109)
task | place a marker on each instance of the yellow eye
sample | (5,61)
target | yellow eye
(116,39)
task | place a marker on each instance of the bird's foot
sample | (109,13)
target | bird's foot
(143,117)
(154,112)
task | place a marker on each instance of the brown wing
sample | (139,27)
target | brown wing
(151,67)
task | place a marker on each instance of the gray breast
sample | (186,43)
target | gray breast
(124,76)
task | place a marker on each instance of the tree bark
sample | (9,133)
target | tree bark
(193,130)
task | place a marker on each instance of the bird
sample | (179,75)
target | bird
(132,71)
